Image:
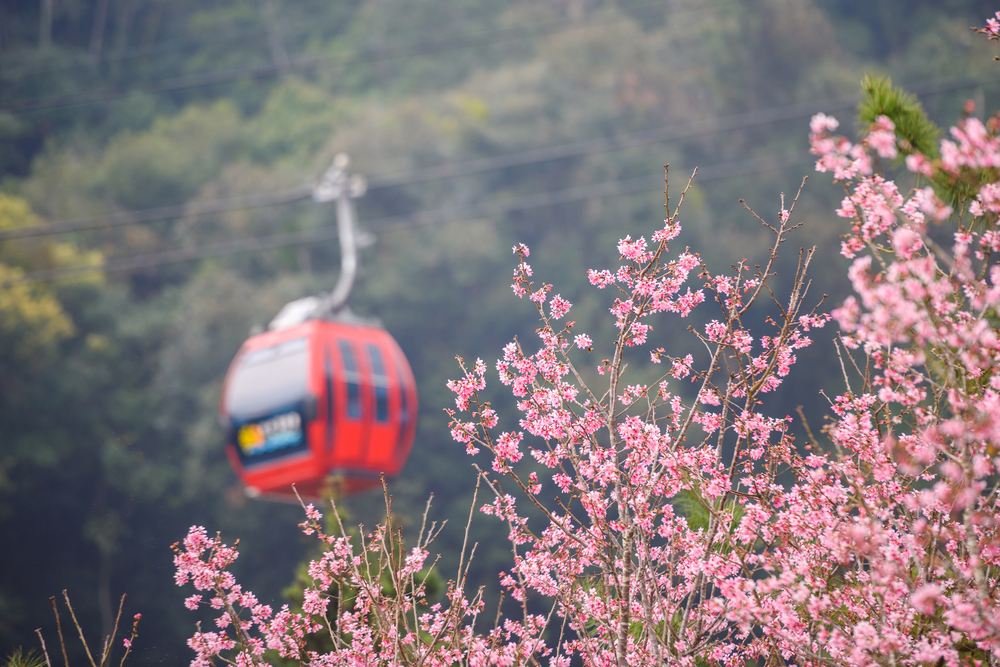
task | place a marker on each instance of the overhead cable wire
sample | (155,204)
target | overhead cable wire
(306,63)
(157,87)
(480,165)
(423,218)
(448,170)
(93,222)
(84,60)
(617,142)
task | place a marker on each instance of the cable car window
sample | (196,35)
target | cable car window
(351,378)
(404,413)
(270,379)
(404,407)
(380,384)
(328,369)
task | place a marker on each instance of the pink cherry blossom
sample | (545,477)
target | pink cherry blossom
(692,523)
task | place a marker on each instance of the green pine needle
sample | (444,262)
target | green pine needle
(913,126)
(21,659)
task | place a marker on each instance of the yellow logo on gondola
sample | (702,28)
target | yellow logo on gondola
(250,438)
(279,432)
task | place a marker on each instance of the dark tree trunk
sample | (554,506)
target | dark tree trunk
(45,24)
(276,41)
(97,30)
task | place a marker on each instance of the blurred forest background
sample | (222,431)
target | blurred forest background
(479,123)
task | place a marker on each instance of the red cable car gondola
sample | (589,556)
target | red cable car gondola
(323,398)
(324,401)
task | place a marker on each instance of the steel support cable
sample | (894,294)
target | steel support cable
(157,87)
(449,170)
(657,135)
(83,60)
(607,144)
(160,213)
(305,63)
(423,218)
(467,167)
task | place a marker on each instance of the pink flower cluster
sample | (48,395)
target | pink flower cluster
(204,562)
(614,553)
(687,526)
(888,552)
(992,28)
(349,601)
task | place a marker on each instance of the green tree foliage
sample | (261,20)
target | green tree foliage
(172,160)
(32,320)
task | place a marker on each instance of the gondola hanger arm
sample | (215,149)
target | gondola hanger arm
(340,186)
(337,184)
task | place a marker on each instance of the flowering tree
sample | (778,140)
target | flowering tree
(879,545)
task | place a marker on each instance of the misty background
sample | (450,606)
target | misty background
(156,158)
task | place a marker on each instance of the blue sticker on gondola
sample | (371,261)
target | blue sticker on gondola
(269,435)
